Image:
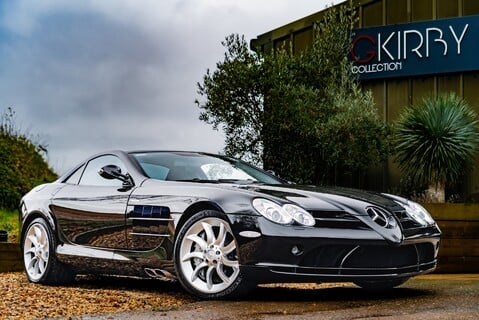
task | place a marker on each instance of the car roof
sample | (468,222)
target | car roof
(123,153)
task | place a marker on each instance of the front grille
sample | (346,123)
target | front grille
(329,256)
(337,219)
(406,221)
(382,257)
(368,256)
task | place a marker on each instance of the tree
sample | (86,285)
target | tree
(302,115)
(21,163)
(234,99)
(436,142)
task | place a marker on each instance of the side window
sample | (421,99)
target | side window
(91,177)
(75,177)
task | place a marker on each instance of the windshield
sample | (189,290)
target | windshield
(189,166)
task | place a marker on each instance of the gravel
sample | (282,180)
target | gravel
(432,296)
(90,295)
(87,295)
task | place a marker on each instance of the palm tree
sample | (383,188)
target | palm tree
(437,141)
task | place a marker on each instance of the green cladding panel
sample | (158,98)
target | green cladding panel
(398,96)
(470,7)
(372,14)
(421,87)
(421,10)
(471,85)
(397,11)
(449,83)
(303,40)
(447,8)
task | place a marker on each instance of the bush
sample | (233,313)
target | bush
(437,142)
(21,163)
(9,222)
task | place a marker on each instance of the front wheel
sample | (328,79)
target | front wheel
(206,257)
(381,285)
(41,265)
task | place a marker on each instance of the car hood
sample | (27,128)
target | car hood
(309,197)
(325,198)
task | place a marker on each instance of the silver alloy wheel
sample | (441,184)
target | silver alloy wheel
(208,255)
(36,251)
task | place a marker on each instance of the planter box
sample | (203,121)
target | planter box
(459,249)
(10,257)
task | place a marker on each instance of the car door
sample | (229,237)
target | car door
(91,211)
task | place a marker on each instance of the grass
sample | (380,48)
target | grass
(9,222)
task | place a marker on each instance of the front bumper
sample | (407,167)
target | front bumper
(304,254)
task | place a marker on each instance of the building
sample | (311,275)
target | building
(403,51)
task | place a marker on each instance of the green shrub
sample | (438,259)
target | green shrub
(9,222)
(21,163)
(437,142)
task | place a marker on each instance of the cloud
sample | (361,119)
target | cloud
(96,75)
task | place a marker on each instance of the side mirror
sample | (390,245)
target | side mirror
(271,172)
(112,171)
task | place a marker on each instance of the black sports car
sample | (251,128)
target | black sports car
(218,225)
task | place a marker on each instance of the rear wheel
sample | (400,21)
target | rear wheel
(41,265)
(206,257)
(380,285)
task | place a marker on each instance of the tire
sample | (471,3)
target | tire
(382,285)
(39,260)
(206,257)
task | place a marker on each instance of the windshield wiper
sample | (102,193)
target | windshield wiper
(238,181)
(196,180)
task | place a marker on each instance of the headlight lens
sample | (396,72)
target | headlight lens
(283,214)
(299,215)
(418,213)
(272,211)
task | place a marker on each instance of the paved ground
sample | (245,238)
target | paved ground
(426,297)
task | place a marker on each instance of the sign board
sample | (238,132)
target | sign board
(414,49)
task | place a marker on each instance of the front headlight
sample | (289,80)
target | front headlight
(283,214)
(272,211)
(418,213)
(300,215)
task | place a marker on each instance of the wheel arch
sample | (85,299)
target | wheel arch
(195,208)
(32,215)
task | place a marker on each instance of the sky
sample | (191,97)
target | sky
(85,76)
